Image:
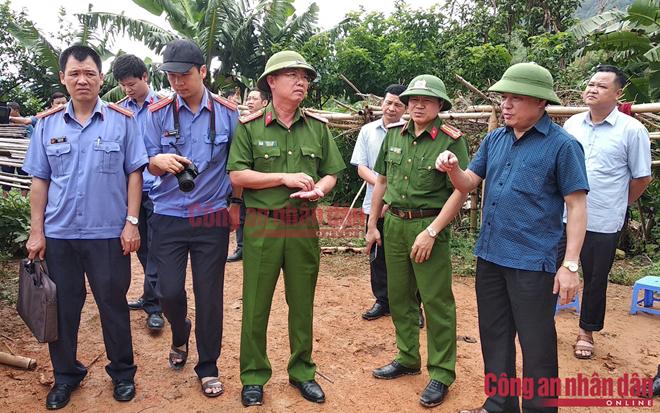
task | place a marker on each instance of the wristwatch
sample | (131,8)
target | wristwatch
(432,233)
(133,220)
(571,265)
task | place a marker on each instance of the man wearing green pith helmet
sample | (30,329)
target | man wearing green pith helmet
(286,160)
(416,250)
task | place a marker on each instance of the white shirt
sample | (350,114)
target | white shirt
(366,150)
(615,151)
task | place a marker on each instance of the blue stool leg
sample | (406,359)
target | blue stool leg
(648,298)
(633,305)
(577,303)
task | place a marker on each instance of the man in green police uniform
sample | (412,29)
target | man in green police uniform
(417,256)
(286,160)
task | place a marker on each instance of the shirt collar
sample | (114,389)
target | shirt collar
(432,129)
(99,108)
(611,118)
(205,104)
(381,125)
(151,98)
(270,116)
(542,126)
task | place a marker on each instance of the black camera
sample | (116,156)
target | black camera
(186,178)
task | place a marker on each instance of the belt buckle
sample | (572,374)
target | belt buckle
(401,213)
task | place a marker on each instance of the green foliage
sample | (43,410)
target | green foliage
(14,223)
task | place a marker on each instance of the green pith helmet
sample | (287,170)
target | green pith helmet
(427,85)
(286,59)
(527,79)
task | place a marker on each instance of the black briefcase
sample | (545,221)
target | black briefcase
(37,300)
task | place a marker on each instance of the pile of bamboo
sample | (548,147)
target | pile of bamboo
(13,145)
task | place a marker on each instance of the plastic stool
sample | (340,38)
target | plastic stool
(649,285)
(573,304)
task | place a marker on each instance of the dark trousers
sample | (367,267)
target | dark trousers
(239,230)
(109,275)
(596,259)
(206,239)
(151,304)
(378,268)
(510,302)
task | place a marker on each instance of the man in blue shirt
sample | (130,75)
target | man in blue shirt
(618,159)
(86,159)
(131,73)
(530,167)
(187,138)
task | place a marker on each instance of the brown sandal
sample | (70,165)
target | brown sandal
(582,348)
(209,384)
(178,357)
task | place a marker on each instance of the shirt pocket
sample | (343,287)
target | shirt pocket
(265,158)
(168,142)
(310,160)
(59,158)
(217,141)
(428,178)
(529,180)
(108,157)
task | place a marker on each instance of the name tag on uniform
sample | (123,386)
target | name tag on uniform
(394,149)
(61,139)
(172,132)
(267,144)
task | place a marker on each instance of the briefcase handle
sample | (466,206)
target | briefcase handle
(37,275)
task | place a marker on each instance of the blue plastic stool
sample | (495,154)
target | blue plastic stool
(573,304)
(649,285)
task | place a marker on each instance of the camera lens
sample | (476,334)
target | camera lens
(186,183)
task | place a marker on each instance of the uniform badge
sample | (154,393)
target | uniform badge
(267,144)
(60,139)
(434,133)
(172,132)
(269,118)
(395,150)
(420,84)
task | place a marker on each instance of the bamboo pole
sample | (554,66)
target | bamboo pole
(25,363)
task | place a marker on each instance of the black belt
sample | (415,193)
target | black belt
(288,215)
(414,213)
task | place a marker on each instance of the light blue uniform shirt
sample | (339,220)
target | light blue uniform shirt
(140,114)
(87,166)
(615,151)
(366,150)
(212,185)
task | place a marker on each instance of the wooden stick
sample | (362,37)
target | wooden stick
(350,84)
(24,363)
(348,213)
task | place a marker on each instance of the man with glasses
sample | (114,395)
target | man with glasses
(286,160)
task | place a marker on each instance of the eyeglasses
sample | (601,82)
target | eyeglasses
(296,76)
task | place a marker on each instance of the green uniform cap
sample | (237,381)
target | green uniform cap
(527,79)
(286,59)
(427,85)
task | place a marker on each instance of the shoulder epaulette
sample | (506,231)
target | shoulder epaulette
(251,116)
(160,104)
(50,111)
(225,102)
(161,96)
(453,132)
(122,100)
(395,124)
(315,116)
(123,111)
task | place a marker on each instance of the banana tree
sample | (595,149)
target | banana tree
(237,34)
(631,37)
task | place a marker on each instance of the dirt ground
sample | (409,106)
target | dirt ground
(346,349)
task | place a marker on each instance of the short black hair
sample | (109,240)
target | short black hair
(128,65)
(262,94)
(57,95)
(395,89)
(620,77)
(14,105)
(80,53)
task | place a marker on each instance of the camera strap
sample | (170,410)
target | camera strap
(177,123)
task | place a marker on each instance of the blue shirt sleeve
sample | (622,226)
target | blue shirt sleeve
(136,154)
(571,171)
(36,161)
(639,153)
(480,160)
(34,120)
(152,133)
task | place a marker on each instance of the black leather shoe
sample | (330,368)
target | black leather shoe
(252,395)
(310,390)
(155,322)
(433,394)
(59,396)
(394,370)
(124,390)
(421,318)
(656,384)
(136,304)
(236,256)
(377,311)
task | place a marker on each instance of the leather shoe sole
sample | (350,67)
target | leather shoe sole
(252,395)
(307,390)
(124,391)
(62,395)
(394,370)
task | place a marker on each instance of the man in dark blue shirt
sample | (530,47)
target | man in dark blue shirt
(531,167)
